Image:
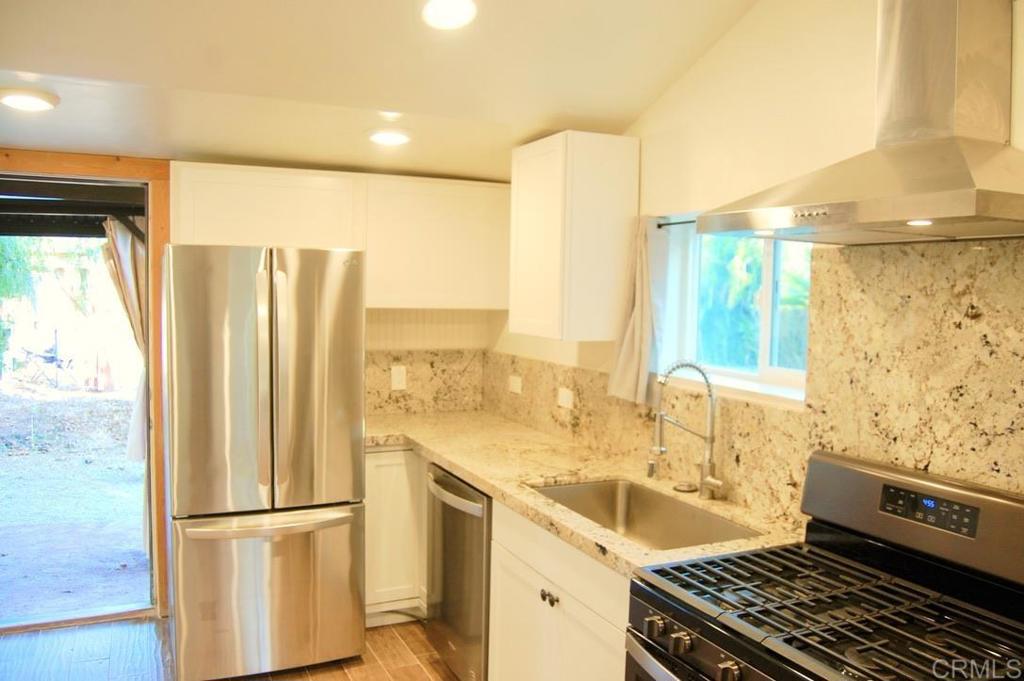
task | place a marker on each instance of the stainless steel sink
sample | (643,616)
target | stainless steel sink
(645,516)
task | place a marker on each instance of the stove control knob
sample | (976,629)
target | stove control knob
(728,671)
(654,626)
(680,643)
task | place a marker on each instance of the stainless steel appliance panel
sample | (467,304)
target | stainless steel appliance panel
(266,591)
(217,378)
(317,333)
(458,576)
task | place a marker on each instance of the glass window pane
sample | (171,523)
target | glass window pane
(728,314)
(791,291)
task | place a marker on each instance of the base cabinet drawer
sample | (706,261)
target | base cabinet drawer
(540,632)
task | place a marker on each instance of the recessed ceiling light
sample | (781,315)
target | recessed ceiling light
(919,223)
(24,99)
(389,138)
(447,15)
(390,115)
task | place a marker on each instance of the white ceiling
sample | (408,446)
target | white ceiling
(300,82)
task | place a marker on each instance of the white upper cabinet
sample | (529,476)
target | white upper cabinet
(436,243)
(430,243)
(575,200)
(255,206)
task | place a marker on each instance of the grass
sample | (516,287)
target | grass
(71,504)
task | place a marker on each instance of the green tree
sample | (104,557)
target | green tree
(729,317)
(18,258)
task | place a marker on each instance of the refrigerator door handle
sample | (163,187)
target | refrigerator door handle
(454,500)
(254,526)
(282,360)
(263,373)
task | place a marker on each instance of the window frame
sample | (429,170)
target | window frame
(681,284)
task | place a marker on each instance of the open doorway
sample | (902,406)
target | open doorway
(74,526)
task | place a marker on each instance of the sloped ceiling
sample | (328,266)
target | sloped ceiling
(300,83)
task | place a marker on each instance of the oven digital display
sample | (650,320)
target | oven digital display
(943,514)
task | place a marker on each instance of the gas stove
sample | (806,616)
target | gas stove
(902,576)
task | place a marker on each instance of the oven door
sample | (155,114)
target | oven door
(646,662)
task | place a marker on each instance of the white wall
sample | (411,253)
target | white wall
(789,89)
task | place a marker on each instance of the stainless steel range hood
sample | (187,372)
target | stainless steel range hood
(942,160)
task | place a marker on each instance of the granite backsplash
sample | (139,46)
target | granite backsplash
(436,380)
(916,357)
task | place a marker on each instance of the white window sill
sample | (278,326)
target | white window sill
(734,388)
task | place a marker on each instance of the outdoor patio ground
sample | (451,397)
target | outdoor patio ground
(70,504)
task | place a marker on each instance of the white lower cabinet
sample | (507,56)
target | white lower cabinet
(580,636)
(523,627)
(395,534)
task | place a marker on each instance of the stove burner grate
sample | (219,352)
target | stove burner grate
(842,618)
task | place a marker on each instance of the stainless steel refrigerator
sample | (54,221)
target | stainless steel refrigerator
(263,400)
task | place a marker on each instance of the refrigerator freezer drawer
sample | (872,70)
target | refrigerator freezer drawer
(267,591)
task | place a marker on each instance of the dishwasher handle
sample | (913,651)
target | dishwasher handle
(454,500)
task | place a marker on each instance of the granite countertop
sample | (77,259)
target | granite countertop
(506,461)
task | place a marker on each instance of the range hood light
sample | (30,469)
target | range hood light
(763,232)
(919,223)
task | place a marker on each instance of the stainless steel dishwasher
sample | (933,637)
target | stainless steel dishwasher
(458,573)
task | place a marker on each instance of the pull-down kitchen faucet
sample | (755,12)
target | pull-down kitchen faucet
(709,484)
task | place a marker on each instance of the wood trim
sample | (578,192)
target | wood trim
(83,165)
(115,615)
(159,230)
(156,174)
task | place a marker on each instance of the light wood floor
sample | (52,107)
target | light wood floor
(139,650)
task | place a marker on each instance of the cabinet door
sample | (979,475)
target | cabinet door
(254,206)
(581,629)
(537,244)
(523,628)
(395,549)
(436,244)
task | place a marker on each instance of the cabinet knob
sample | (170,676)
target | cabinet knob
(680,642)
(552,599)
(543,594)
(728,671)
(654,626)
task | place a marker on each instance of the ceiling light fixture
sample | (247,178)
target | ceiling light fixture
(389,138)
(447,15)
(24,99)
(919,223)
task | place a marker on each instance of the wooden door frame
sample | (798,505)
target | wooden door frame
(155,173)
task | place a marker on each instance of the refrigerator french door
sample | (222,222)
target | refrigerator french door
(263,353)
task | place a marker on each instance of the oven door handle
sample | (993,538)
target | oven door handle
(650,664)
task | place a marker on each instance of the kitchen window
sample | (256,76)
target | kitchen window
(736,305)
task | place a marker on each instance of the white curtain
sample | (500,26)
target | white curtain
(629,377)
(125,254)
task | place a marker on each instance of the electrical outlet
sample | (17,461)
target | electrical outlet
(565,398)
(515,384)
(398,377)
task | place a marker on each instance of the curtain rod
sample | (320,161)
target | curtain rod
(679,222)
